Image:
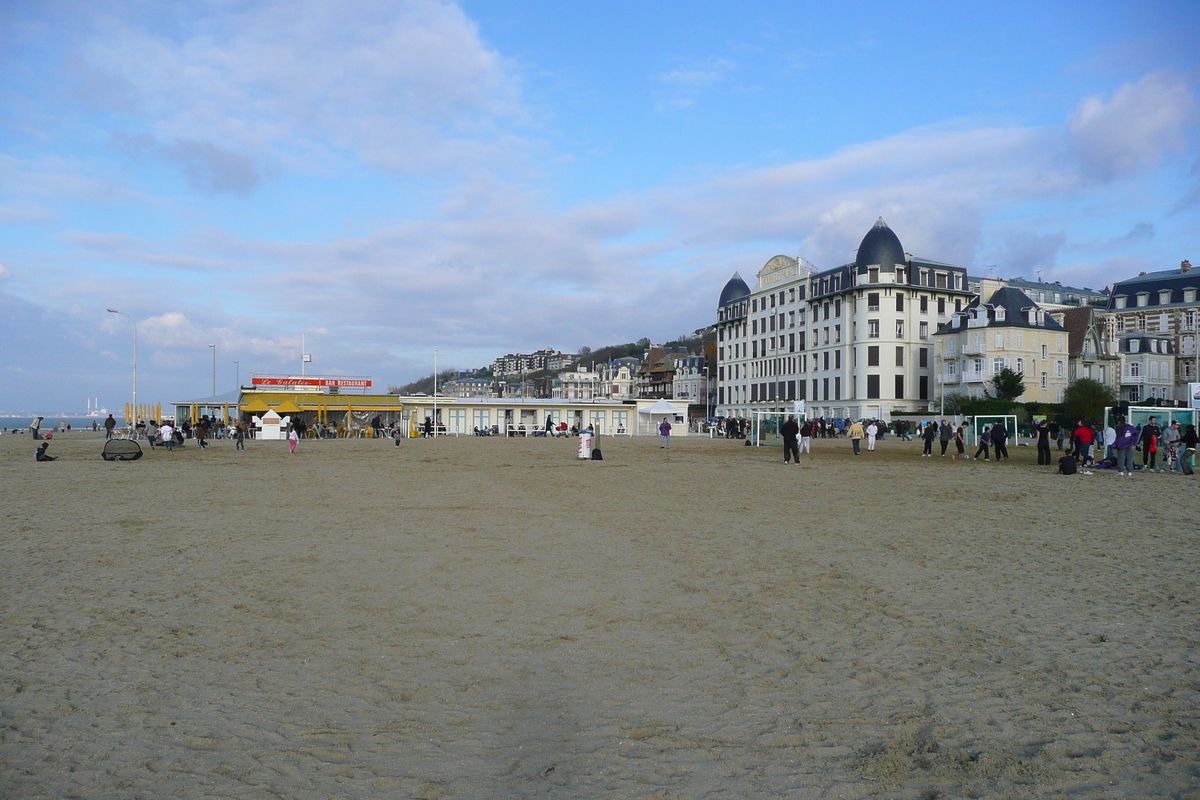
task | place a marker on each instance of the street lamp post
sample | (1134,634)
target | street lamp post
(214,349)
(237,366)
(131,319)
(435,424)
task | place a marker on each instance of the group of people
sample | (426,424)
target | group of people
(1162,447)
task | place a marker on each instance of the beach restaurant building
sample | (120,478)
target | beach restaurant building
(328,400)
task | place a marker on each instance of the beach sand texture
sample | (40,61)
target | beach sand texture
(494,618)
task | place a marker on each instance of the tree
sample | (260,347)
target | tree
(585,351)
(1007,385)
(1086,399)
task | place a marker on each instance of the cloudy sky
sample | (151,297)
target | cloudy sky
(387,178)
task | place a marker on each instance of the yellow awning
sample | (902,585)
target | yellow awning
(287,407)
(256,406)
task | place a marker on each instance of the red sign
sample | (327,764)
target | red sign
(356,383)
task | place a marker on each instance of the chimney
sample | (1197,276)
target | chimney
(1185,266)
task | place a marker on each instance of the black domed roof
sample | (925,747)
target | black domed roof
(735,290)
(880,246)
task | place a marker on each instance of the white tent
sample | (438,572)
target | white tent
(650,417)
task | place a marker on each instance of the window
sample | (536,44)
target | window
(1059,371)
(791,342)
(1021,366)
(899,387)
(772,322)
(837,359)
(1164,297)
(1045,380)
(1153,370)
(754,305)
(899,329)
(873,275)
(872,387)
(924,304)
(837,388)
(1162,323)
(825,386)
(941,280)
(997,365)
(754,327)
(837,308)
(837,334)
(923,357)
(825,360)
(1134,345)
(900,301)
(1020,340)
(999,341)
(1135,369)
(1043,351)
(791,319)
(873,355)
(899,356)
(941,305)
(800,341)
(923,330)
(1119,301)
(1143,299)
(800,316)
(957,304)
(923,384)
(772,301)
(873,329)
(826,336)
(754,349)
(873,301)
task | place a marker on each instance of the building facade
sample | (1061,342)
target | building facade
(1006,331)
(853,341)
(1164,304)
(1147,367)
(690,384)
(1090,355)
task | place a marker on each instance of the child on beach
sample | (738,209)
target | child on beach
(293,438)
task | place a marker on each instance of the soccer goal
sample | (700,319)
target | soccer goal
(986,421)
(767,425)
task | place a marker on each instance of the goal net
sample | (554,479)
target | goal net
(767,425)
(987,421)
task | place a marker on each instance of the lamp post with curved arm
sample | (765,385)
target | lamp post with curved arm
(131,319)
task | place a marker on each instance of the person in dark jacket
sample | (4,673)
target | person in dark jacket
(985,439)
(1042,431)
(928,435)
(41,454)
(1151,434)
(945,434)
(1000,440)
(791,432)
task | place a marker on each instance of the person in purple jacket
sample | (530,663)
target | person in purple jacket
(1127,437)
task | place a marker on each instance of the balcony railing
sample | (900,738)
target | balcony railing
(974,377)
(951,378)
(1132,379)
(972,349)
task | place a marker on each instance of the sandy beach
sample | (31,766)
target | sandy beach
(493,618)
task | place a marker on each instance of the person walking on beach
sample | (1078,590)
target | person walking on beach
(960,439)
(168,436)
(664,435)
(293,439)
(1042,431)
(928,434)
(856,435)
(1151,434)
(1125,440)
(985,439)
(872,431)
(1187,447)
(239,432)
(790,431)
(109,425)
(806,434)
(945,434)
(1000,440)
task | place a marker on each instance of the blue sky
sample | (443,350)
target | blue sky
(392,177)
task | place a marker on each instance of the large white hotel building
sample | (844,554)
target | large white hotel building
(853,341)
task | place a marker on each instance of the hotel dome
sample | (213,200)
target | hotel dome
(881,248)
(736,289)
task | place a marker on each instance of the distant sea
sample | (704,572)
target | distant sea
(52,423)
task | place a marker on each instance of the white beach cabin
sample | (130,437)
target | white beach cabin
(271,426)
(651,416)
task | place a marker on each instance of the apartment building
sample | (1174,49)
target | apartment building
(852,341)
(1007,330)
(1162,304)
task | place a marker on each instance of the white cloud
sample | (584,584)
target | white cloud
(406,86)
(1135,128)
